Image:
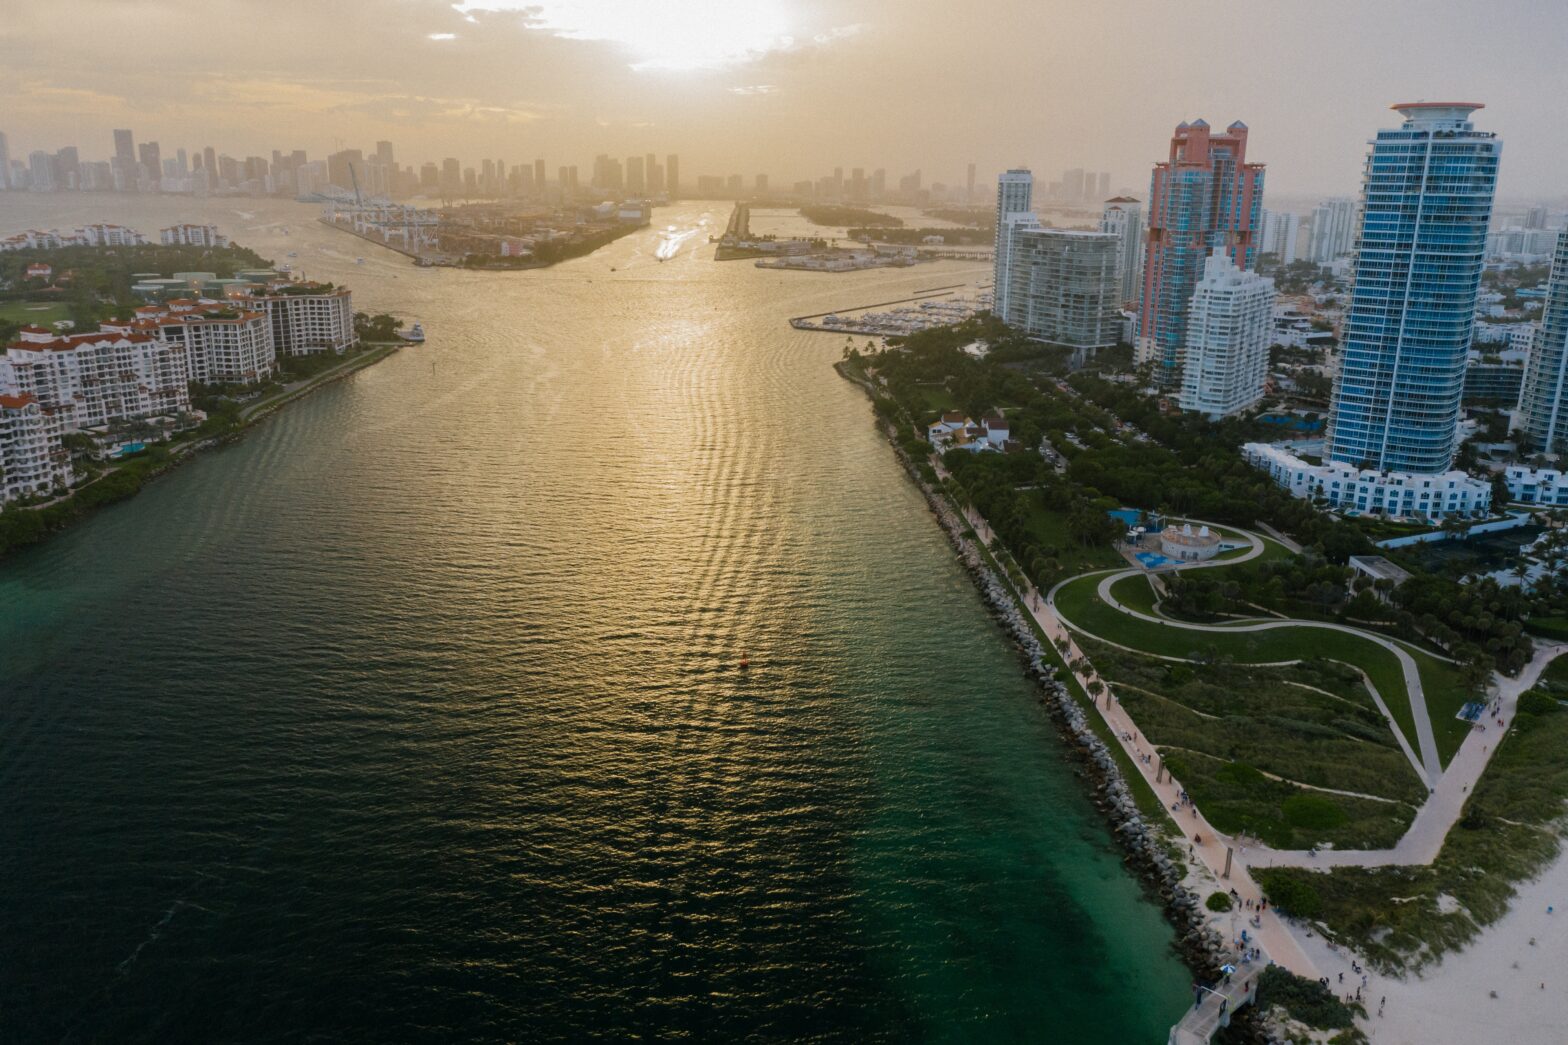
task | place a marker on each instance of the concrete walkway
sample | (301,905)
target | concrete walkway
(1437,816)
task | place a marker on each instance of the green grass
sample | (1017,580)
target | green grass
(1079,603)
(1509,831)
(35,312)
(1136,593)
(1555,678)
(1219,725)
(1548,627)
(1050,530)
(936,399)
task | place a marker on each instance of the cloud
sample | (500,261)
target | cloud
(671,35)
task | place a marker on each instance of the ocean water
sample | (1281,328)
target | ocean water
(416,714)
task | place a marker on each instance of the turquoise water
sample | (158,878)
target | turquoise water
(416,714)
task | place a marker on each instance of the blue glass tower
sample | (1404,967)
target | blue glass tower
(1426,201)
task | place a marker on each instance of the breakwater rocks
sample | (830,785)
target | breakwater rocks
(1200,946)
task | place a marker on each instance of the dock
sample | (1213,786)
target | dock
(1218,1004)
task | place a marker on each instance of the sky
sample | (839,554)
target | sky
(791,88)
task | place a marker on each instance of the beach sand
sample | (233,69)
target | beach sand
(1451,1003)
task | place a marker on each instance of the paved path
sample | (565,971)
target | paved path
(1431,764)
(1422,842)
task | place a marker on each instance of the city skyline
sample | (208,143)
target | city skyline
(748,81)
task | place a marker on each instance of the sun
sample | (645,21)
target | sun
(669,35)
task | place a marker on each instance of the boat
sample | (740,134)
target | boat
(416,333)
(359,261)
(293,253)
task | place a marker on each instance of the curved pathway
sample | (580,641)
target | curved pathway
(1431,767)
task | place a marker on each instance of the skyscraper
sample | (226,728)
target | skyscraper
(1228,333)
(384,154)
(1123,216)
(1543,412)
(1014,196)
(635,182)
(672,175)
(1333,229)
(1062,284)
(1426,200)
(539,176)
(1279,235)
(124,147)
(1204,196)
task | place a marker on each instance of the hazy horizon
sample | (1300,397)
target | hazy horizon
(790,88)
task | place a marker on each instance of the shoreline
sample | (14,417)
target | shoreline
(182,454)
(1199,946)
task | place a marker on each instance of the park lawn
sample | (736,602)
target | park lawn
(1333,736)
(1136,593)
(1555,678)
(1079,602)
(1445,695)
(1221,728)
(936,399)
(1508,834)
(1049,527)
(38,313)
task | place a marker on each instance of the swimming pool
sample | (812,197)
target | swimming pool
(1151,561)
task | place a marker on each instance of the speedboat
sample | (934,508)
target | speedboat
(416,333)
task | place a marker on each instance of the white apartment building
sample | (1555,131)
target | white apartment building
(32,461)
(1014,198)
(1279,235)
(1367,491)
(1333,229)
(102,234)
(96,378)
(1062,285)
(1123,218)
(222,342)
(1545,486)
(307,318)
(192,236)
(1229,327)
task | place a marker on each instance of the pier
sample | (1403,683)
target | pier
(1218,1004)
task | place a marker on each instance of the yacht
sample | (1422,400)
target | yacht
(416,333)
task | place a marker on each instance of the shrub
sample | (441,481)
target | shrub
(1218,902)
(1305,1000)
(1537,703)
(1314,812)
(1291,895)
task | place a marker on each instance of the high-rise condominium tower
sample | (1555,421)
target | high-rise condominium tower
(1014,196)
(1123,216)
(1543,409)
(1426,201)
(1333,229)
(1062,285)
(1205,196)
(1228,334)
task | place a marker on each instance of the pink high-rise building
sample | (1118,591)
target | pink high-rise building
(1206,196)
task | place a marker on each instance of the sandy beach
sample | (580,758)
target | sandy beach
(1451,1003)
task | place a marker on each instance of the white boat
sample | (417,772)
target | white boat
(293,253)
(416,333)
(359,261)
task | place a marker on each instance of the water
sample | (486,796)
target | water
(415,715)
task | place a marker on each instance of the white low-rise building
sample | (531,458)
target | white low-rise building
(32,460)
(1370,492)
(1546,486)
(1184,544)
(955,431)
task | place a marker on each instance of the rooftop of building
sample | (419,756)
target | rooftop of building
(1379,568)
